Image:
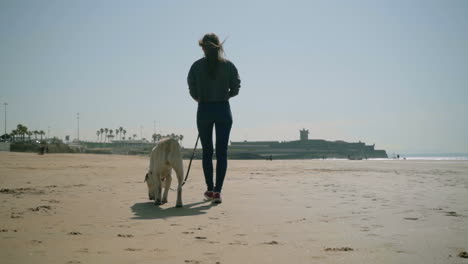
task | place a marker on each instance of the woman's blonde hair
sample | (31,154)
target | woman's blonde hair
(214,52)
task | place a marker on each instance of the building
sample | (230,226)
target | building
(304,148)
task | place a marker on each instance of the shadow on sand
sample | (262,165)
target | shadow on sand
(148,210)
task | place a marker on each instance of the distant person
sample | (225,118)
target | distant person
(212,81)
(42,149)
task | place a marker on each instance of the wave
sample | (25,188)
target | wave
(426,158)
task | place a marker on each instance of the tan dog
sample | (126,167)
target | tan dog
(165,157)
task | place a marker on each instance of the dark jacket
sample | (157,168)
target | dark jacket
(205,89)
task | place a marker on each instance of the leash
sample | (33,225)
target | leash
(190,163)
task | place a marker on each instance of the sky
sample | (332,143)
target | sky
(389,73)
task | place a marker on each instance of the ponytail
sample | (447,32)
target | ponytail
(213,50)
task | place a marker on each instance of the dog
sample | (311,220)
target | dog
(164,158)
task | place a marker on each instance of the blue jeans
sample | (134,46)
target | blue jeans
(217,114)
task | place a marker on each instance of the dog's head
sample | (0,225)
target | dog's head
(150,186)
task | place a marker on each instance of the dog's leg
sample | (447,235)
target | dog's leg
(150,187)
(179,196)
(180,178)
(167,186)
(157,190)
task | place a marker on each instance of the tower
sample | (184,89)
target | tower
(304,134)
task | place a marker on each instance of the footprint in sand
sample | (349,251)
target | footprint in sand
(125,235)
(452,214)
(73,262)
(20,191)
(41,208)
(339,249)
(74,233)
(200,237)
(16,215)
(271,243)
(133,249)
(238,243)
(296,221)
(6,230)
(36,242)
(186,232)
(463,254)
(51,201)
(159,250)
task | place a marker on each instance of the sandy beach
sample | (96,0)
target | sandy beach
(77,208)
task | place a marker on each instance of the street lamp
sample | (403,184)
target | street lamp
(78,127)
(5,115)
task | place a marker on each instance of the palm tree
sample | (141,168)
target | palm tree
(25,132)
(121,129)
(22,131)
(42,133)
(111,132)
(125,132)
(154,137)
(181,137)
(97,133)
(117,132)
(35,134)
(105,131)
(13,134)
(134,136)
(17,131)
(174,136)
(102,132)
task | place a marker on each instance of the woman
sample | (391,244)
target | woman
(212,80)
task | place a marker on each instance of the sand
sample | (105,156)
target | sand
(77,208)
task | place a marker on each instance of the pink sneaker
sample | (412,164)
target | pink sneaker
(217,198)
(208,195)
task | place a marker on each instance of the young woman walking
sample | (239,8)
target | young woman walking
(212,81)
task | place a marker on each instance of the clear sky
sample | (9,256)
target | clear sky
(393,73)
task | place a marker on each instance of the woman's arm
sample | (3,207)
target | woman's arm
(192,82)
(234,83)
